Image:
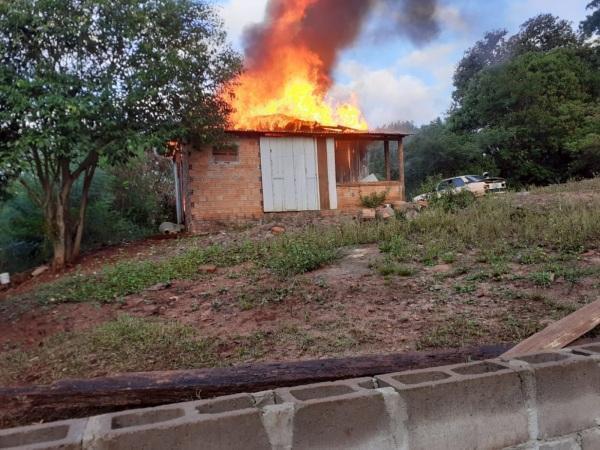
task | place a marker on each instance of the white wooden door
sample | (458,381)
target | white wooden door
(289,174)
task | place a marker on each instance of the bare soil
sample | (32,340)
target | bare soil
(344,308)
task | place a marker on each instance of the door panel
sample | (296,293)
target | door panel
(289,174)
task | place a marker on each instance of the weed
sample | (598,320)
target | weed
(544,279)
(122,345)
(448,257)
(374,199)
(398,247)
(388,267)
(516,329)
(457,331)
(465,288)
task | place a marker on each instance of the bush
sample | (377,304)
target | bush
(451,201)
(125,203)
(374,199)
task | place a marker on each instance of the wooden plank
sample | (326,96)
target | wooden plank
(386,156)
(323,173)
(331,173)
(401,169)
(311,174)
(560,333)
(79,398)
(267,175)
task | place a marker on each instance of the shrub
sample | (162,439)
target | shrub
(451,200)
(374,199)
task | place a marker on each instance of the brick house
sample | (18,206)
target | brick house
(260,174)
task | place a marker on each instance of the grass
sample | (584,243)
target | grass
(458,331)
(494,226)
(124,344)
(389,267)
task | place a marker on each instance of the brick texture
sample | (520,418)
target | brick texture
(226,192)
(349,195)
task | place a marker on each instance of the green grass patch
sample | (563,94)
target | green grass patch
(122,345)
(389,267)
(457,331)
(493,226)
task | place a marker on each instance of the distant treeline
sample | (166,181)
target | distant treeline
(525,107)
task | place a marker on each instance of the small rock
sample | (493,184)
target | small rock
(385,213)
(159,287)
(173,298)
(207,268)
(278,230)
(368,214)
(40,270)
(170,228)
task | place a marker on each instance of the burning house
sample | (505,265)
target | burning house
(263,172)
(292,146)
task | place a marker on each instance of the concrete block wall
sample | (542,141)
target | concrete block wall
(226,192)
(349,194)
(547,401)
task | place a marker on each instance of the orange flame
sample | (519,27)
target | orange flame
(290,82)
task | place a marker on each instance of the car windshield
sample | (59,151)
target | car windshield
(474,178)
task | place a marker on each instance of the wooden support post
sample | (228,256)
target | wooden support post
(387,165)
(401,168)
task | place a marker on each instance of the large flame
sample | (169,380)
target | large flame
(290,81)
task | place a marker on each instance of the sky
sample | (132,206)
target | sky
(393,79)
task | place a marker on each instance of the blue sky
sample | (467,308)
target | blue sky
(395,80)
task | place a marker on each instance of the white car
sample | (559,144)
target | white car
(479,185)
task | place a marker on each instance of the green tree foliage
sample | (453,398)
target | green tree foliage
(489,51)
(542,33)
(126,202)
(535,115)
(85,81)
(436,149)
(591,25)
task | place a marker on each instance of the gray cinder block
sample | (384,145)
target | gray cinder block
(342,415)
(65,435)
(480,405)
(567,392)
(222,424)
(590,439)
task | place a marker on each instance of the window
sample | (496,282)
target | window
(458,182)
(225,153)
(363,161)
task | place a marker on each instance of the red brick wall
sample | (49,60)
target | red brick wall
(224,192)
(349,194)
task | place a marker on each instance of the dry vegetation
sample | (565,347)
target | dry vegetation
(493,271)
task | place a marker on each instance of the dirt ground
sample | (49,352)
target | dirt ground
(346,308)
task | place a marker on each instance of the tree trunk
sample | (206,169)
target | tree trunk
(87,182)
(60,234)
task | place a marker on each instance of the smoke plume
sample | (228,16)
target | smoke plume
(325,27)
(291,55)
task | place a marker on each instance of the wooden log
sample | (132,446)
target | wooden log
(82,397)
(560,333)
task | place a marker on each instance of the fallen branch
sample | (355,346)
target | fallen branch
(82,397)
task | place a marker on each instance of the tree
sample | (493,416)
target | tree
(543,33)
(90,81)
(489,51)
(591,24)
(438,150)
(537,115)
